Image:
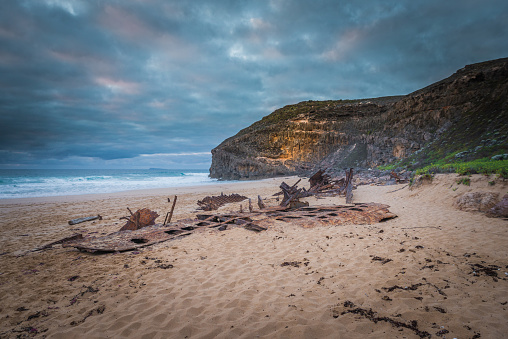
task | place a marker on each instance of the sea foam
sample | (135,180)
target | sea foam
(43,183)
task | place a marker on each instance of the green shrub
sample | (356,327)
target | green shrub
(464,181)
(479,166)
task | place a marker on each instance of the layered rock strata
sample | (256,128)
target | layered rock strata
(300,138)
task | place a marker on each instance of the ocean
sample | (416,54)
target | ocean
(24,183)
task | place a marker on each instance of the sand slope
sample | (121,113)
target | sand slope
(433,271)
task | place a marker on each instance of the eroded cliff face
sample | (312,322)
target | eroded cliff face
(298,139)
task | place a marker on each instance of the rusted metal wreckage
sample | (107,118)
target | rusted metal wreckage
(214,202)
(80,220)
(139,219)
(320,184)
(141,230)
(359,213)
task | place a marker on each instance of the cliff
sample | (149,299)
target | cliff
(461,113)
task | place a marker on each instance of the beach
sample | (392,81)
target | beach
(434,271)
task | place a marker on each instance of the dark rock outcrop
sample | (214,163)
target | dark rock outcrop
(447,116)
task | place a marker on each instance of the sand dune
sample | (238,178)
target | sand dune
(434,271)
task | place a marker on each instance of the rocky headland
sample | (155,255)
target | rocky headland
(463,116)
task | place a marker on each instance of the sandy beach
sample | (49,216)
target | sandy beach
(434,271)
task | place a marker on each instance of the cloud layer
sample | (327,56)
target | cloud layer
(160,83)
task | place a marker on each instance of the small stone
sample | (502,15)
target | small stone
(500,157)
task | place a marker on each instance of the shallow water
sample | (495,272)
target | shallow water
(22,183)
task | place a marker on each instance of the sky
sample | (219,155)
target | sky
(159,83)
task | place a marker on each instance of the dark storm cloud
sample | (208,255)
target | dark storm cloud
(159,83)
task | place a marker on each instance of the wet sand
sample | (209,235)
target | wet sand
(433,271)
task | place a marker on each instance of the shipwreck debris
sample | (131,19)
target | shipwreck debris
(292,193)
(141,218)
(80,220)
(257,221)
(320,184)
(169,215)
(349,186)
(72,238)
(358,214)
(127,240)
(141,230)
(261,204)
(254,227)
(214,202)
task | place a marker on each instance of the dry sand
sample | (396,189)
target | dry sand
(286,282)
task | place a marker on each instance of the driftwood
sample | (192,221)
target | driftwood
(141,218)
(80,220)
(214,202)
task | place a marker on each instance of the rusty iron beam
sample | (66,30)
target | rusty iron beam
(80,220)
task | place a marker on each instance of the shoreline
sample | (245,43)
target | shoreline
(138,192)
(56,183)
(443,270)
